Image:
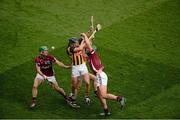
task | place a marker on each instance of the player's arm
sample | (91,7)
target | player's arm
(81,47)
(87,41)
(39,71)
(61,64)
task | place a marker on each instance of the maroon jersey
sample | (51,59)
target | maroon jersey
(45,64)
(95,62)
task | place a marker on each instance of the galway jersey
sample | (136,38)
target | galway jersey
(45,64)
(95,62)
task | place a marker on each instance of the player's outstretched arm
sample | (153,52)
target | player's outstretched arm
(61,64)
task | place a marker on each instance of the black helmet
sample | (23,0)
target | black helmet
(73,40)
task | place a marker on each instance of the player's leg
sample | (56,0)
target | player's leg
(85,74)
(74,87)
(54,85)
(80,78)
(102,100)
(74,93)
(104,94)
(79,84)
(93,78)
(103,104)
(35,87)
(87,88)
(74,82)
(102,81)
(87,82)
(36,84)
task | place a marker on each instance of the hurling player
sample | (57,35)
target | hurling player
(44,67)
(79,68)
(102,79)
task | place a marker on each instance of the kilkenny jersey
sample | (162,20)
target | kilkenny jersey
(76,57)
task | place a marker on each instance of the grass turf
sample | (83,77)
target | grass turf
(139,46)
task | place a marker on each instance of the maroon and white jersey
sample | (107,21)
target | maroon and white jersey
(95,62)
(45,64)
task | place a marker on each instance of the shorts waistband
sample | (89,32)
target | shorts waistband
(79,65)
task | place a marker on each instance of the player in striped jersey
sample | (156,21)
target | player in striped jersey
(85,58)
(79,67)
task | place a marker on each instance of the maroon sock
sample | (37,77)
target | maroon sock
(33,99)
(119,98)
(65,97)
(106,110)
(95,92)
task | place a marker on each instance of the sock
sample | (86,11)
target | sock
(119,98)
(65,97)
(86,96)
(95,92)
(106,110)
(73,97)
(33,99)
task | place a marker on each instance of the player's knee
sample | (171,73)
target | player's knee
(87,84)
(104,96)
(35,87)
(53,87)
(56,88)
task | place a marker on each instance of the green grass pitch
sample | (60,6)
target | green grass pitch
(139,46)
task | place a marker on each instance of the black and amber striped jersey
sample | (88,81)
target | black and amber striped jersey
(76,57)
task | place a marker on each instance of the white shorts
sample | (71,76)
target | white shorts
(102,79)
(78,70)
(50,78)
